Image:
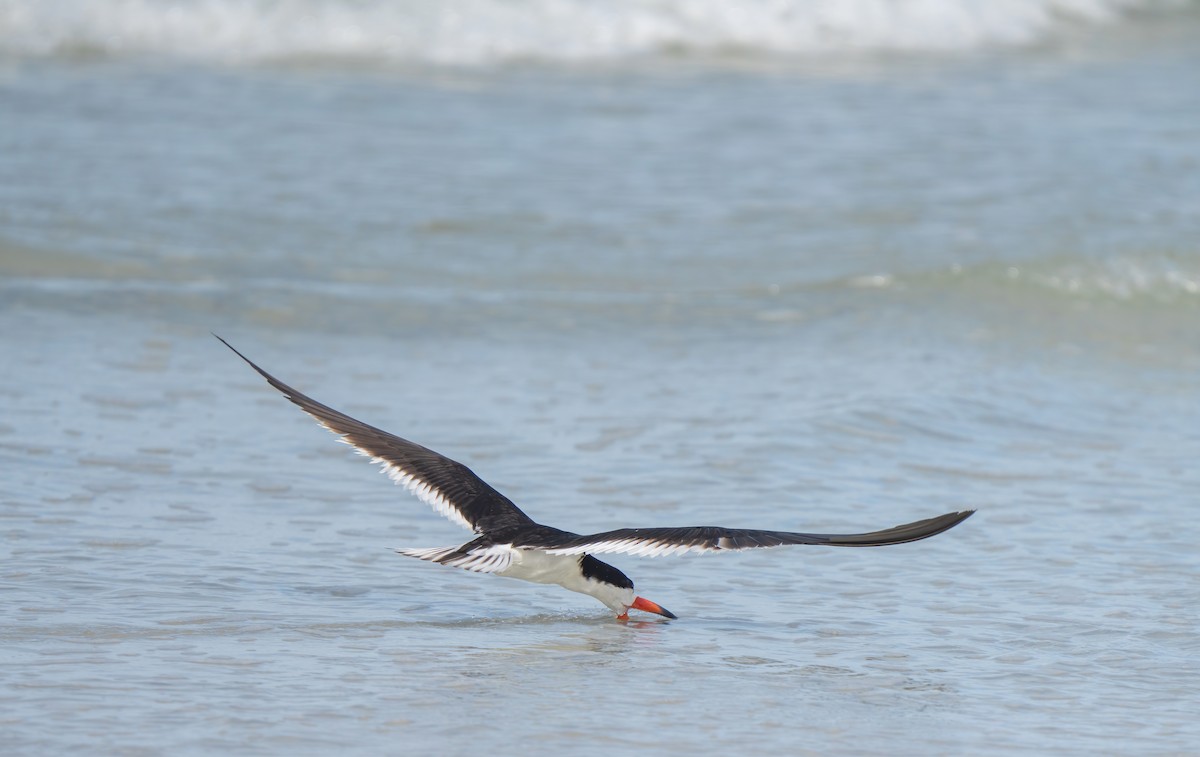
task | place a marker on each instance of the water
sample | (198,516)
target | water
(646,282)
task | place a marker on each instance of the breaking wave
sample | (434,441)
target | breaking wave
(483,32)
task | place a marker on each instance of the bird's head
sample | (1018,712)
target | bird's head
(614,589)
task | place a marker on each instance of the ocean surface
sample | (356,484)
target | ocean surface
(822,266)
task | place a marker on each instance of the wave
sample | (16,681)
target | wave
(1159,279)
(1168,280)
(482,32)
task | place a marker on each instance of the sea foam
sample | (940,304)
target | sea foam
(483,32)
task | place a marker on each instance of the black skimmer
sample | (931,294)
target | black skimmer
(511,544)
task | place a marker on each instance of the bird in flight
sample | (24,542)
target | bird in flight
(509,543)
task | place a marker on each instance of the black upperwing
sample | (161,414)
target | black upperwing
(654,542)
(448,486)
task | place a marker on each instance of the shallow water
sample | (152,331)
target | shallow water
(760,292)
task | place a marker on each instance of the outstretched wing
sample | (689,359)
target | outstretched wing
(449,487)
(655,542)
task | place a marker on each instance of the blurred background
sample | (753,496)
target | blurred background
(819,266)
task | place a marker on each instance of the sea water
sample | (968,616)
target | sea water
(823,267)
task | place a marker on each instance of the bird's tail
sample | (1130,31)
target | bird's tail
(433,554)
(478,559)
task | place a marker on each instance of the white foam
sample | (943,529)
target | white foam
(490,31)
(1124,279)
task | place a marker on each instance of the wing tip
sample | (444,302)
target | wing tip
(907,532)
(221,339)
(270,379)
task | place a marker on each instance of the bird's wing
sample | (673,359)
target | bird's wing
(655,542)
(449,487)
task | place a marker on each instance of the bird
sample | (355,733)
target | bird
(511,544)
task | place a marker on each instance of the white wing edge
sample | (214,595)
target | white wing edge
(639,548)
(423,490)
